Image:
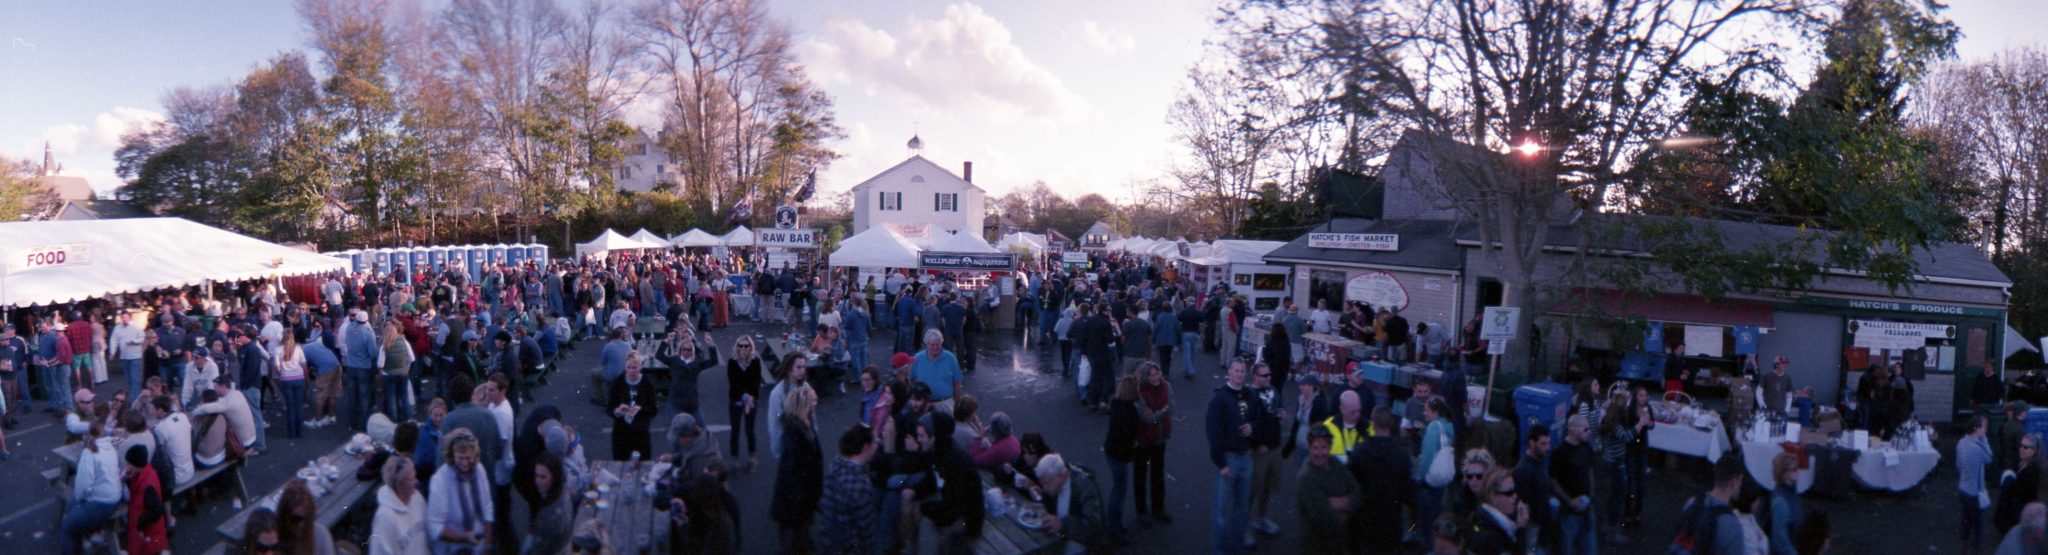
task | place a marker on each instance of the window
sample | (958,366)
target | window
(946,202)
(892,201)
(1268,282)
(625,171)
(640,149)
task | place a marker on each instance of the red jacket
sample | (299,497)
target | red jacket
(80,334)
(148,533)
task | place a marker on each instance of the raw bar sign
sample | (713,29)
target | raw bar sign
(796,238)
(966,261)
(1355,241)
(50,256)
(1898,335)
(1377,288)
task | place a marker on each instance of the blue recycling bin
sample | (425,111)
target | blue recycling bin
(2037,423)
(1540,404)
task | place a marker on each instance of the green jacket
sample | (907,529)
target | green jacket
(1322,526)
(1087,522)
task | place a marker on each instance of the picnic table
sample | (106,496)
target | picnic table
(1003,534)
(60,478)
(628,512)
(344,495)
(650,327)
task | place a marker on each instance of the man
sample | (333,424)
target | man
(1190,332)
(611,363)
(958,511)
(126,339)
(174,431)
(255,366)
(323,364)
(681,353)
(954,314)
(1532,481)
(1412,421)
(1094,336)
(1166,336)
(1775,386)
(235,406)
(1571,472)
(2031,536)
(1136,343)
(1434,343)
(1265,419)
(1297,328)
(1230,449)
(849,504)
(1382,467)
(1396,348)
(854,320)
(359,356)
(907,310)
(53,359)
(1347,428)
(1707,524)
(1988,391)
(199,370)
(1074,503)
(1325,497)
(939,369)
(79,334)
(13,360)
(1229,325)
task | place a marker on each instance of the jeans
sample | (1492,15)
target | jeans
(396,404)
(84,518)
(1638,462)
(357,390)
(1166,359)
(1066,357)
(1580,532)
(131,368)
(1120,478)
(859,352)
(1150,470)
(1188,340)
(1429,502)
(906,334)
(1973,521)
(57,386)
(739,420)
(1228,514)
(255,395)
(1621,484)
(294,407)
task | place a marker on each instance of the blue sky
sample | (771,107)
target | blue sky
(1071,92)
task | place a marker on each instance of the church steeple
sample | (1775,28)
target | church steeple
(49,162)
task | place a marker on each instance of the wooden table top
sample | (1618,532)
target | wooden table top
(344,494)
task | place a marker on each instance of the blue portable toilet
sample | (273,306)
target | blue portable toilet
(382,261)
(497,255)
(437,259)
(419,261)
(478,257)
(357,263)
(1540,404)
(458,259)
(401,264)
(515,255)
(537,253)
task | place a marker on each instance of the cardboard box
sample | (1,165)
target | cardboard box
(1813,437)
(1828,422)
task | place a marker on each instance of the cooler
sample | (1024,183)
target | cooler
(1377,372)
(1540,404)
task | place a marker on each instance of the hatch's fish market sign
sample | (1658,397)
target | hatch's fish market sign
(966,261)
(1355,241)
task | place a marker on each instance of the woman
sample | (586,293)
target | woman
(210,442)
(1278,353)
(721,300)
(743,384)
(259,534)
(871,395)
(1787,513)
(633,411)
(998,445)
(1616,431)
(397,358)
(1747,500)
(400,527)
(99,349)
(297,526)
(1121,447)
(1498,523)
(148,531)
(1461,502)
(1435,437)
(884,416)
(1973,452)
(459,512)
(2021,488)
(548,531)
(1638,462)
(799,478)
(1155,426)
(527,447)
(291,379)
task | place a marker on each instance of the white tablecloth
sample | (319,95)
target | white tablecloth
(1909,468)
(1686,440)
(1757,457)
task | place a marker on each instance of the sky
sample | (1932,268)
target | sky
(1070,92)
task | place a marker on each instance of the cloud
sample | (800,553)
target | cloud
(964,62)
(1104,39)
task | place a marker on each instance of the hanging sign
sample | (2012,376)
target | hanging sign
(1377,288)
(785,217)
(50,256)
(1355,241)
(796,238)
(966,261)
(1898,335)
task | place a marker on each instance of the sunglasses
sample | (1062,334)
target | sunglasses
(1266,375)
(1505,492)
(1474,475)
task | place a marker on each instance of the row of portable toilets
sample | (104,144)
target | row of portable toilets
(466,259)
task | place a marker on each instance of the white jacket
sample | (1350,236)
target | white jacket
(399,528)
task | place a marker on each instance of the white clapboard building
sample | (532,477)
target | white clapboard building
(917,192)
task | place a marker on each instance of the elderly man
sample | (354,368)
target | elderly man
(938,368)
(2031,536)
(1347,428)
(1075,502)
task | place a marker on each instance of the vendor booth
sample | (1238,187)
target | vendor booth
(739,237)
(696,238)
(650,238)
(52,262)
(613,241)
(1241,265)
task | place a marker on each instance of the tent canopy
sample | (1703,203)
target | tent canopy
(650,238)
(1023,240)
(696,238)
(739,237)
(610,241)
(1243,251)
(876,247)
(965,242)
(111,257)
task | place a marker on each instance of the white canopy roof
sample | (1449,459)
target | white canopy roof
(1243,251)
(696,238)
(965,242)
(650,238)
(924,235)
(610,241)
(109,257)
(876,247)
(739,237)
(1024,240)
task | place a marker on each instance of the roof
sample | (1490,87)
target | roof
(109,257)
(67,187)
(1943,260)
(105,209)
(918,160)
(1425,244)
(1102,228)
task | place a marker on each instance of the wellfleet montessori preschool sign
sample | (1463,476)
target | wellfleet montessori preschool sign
(1355,241)
(966,261)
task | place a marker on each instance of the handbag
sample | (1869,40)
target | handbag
(1087,370)
(1442,469)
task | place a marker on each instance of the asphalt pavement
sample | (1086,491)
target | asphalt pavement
(1017,375)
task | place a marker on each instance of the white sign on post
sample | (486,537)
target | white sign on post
(1500,323)
(796,238)
(50,256)
(1497,347)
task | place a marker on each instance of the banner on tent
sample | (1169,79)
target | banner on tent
(50,256)
(795,238)
(966,261)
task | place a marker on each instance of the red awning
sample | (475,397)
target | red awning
(1665,307)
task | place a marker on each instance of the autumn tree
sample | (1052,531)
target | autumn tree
(22,197)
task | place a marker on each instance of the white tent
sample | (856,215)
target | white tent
(696,238)
(876,247)
(1022,240)
(1243,251)
(739,237)
(77,260)
(650,238)
(924,236)
(965,242)
(1164,249)
(610,241)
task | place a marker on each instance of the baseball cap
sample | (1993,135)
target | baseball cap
(900,359)
(469,335)
(362,316)
(83,396)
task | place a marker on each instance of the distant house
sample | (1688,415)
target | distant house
(90,209)
(1057,240)
(67,188)
(646,166)
(1099,236)
(918,191)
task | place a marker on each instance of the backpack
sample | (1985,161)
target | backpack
(160,459)
(1697,525)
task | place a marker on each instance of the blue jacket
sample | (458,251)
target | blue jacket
(362,347)
(1227,409)
(320,358)
(855,323)
(1165,329)
(907,311)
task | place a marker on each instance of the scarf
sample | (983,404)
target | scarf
(466,498)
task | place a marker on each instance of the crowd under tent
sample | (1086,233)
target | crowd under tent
(50,262)
(696,238)
(650,238)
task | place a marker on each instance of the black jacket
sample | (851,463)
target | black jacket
(1123,430)
(682,376)
(1228,408)
(1383,470)
(799,479)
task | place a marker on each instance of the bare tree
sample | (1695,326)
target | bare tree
(1991,117)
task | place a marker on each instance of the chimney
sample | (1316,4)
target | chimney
(967,171)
